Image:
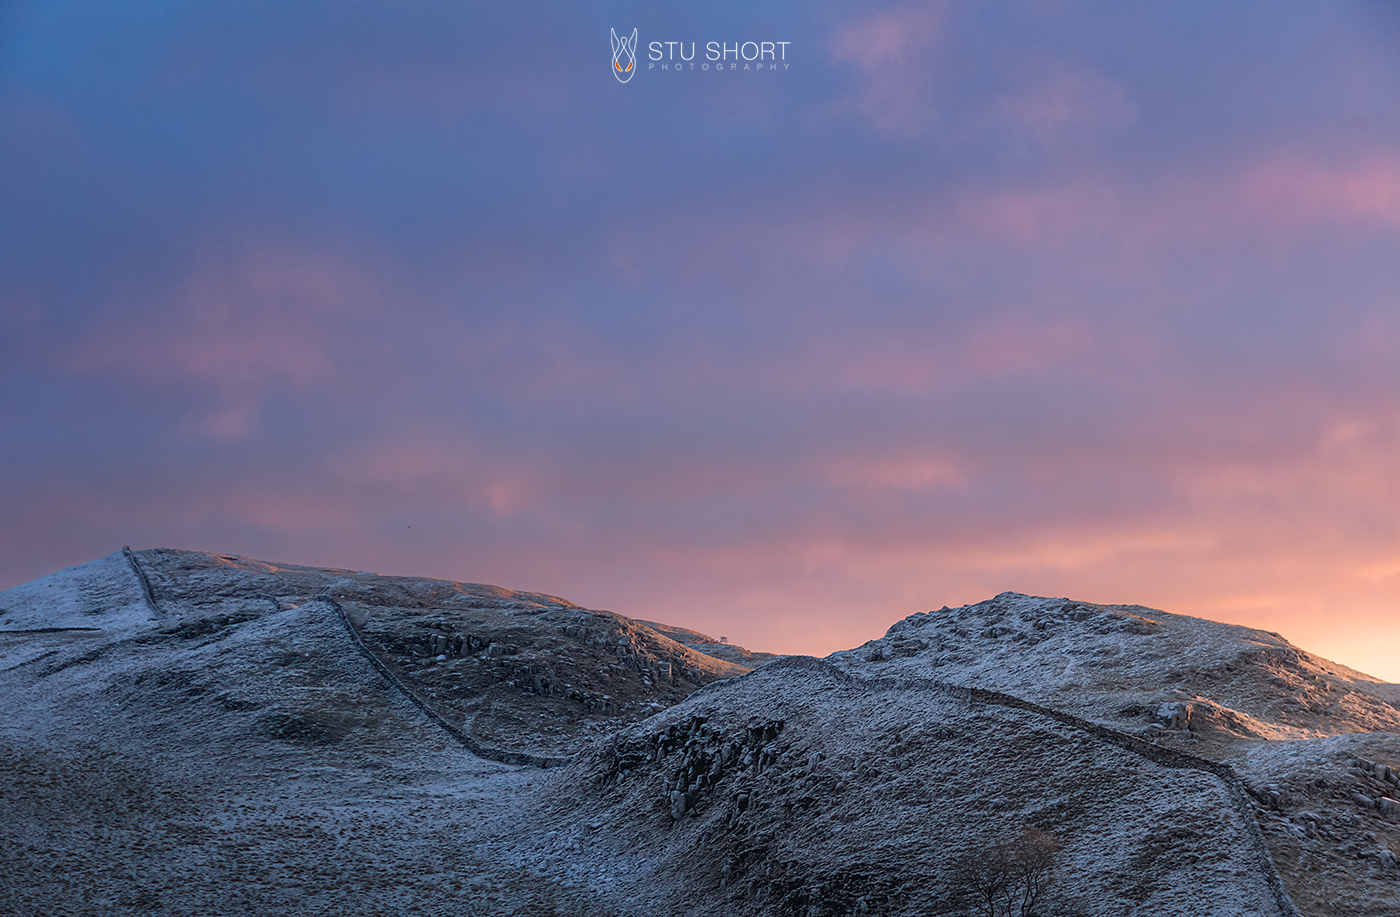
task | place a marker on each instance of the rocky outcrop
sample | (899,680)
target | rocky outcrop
(1176,716)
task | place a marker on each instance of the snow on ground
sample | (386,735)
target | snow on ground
(264,768)
(1120,663)
(811,792)
(1291,724)
(103,593)
(236,752)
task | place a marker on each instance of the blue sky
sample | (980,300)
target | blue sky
(1080,299)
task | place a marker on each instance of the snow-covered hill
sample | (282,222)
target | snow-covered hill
(1121,664)
(187,733)
(1317,743)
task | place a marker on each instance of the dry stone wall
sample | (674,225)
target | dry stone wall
(1239,791)
(470,744)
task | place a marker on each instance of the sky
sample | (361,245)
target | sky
(1097,300)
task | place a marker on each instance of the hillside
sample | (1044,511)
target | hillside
(1119,664)
(801,790)
(704,643)
(188,733)
(1317,743)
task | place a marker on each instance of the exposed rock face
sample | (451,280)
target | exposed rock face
(1175,716)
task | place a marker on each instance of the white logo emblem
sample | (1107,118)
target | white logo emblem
(624,56)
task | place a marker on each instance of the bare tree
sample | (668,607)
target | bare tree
(1031,855)
(1011,878)
(982,880)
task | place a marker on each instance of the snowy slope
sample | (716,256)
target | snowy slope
(103,594)
(258,737)
(1317,743)
(1121,663)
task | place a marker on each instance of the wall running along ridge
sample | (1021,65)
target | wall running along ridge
(1157,754)
(145,583)
(971,696)
(470,744)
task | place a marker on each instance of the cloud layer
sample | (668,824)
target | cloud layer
(1050,298)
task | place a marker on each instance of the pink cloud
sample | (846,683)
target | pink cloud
(888,37)
(564,356)
(239,329)
(1258,566)
(1296,192)
(891,53)
(1004,346)
(1253,204)
(419,467)
(1056,97)
(885,472)
(846,540)
(1013,346)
